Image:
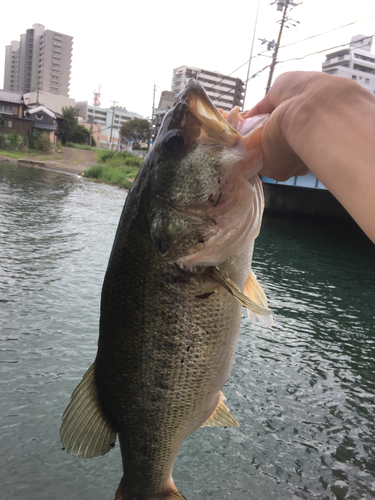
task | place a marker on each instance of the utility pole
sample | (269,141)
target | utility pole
(152,116)
(113,115)
(280,4)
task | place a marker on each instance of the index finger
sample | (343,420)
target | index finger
(264,106)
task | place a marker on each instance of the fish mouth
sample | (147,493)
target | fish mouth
(206,170)
(210,119)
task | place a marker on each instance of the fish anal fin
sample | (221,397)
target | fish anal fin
(255,293)
(221,416)
(85,431)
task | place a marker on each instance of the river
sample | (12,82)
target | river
(302,391)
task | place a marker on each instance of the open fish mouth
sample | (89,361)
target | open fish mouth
(218,214)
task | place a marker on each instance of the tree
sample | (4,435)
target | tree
(137,129)
(69,124)
(81,135)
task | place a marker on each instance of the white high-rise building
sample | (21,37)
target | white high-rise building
(224,91)
(41,60)
(355,62)
(11,66)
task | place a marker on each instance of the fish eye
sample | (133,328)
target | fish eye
(174,142)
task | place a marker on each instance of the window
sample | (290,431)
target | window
(365,69)
(354,77)
(367,81)
(365,58)
(6,108)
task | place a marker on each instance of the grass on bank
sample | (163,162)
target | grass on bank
(114,168)
(14,154)
(80,146)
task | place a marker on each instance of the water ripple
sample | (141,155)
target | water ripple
(303,391)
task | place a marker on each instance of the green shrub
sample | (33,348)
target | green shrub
(2,141)
(113,175)
(25,143)
(58,145)
(14,141)
(134,161)
(114,168)
(107,154)
(94,172)
(42,143)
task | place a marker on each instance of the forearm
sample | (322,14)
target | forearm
(332,130)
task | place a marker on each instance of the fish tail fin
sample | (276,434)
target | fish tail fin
(171,494)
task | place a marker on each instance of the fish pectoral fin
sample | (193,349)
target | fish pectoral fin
(259,309)
(85,431)
(255,293)
(221,417)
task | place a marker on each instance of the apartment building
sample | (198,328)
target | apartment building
(11,66)
(41,60)
(224,91)
(355,62)
(110,119)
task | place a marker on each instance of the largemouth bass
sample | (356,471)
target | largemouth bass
(178,274)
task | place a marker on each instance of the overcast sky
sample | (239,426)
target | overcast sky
(128,47)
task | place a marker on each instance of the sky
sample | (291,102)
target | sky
(130,47)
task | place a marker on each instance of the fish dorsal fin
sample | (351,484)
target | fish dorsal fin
(221,417)
(232,288)
(85,431)
(255,293)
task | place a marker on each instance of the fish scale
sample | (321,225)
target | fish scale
(171,299)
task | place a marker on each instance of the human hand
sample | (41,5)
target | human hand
(292,101)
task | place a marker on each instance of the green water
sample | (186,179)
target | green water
(302,391)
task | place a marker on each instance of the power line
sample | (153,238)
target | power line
(325,32)
(297,41)
(323,50)
(320,34)
(250,78)
(294,58)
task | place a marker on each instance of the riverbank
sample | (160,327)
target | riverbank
(69,160)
